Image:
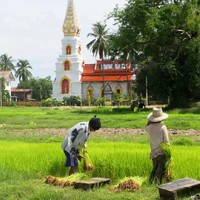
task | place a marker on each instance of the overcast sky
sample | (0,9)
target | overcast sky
(32,29)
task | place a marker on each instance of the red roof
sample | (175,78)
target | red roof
(20,90)
(111,71)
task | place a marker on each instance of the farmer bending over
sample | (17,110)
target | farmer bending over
(75,139)
(158,134)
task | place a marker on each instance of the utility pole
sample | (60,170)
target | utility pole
(1,93)
(146,91)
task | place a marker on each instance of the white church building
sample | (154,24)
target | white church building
(74,77)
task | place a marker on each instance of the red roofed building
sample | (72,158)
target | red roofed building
(114,76)
(75,78)
(21,94)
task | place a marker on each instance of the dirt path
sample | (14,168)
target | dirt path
(62,131)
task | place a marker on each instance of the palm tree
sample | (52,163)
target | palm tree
(6,63)
(23,72)
(99,44)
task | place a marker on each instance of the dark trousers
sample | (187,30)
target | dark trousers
(158,170)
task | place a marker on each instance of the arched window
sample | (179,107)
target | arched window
(79,50)
(68,50)
(89,94)
(66,65)
(118,91)
(65,86)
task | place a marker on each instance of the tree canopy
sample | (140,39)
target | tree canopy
(163,39)
(6,63)
(99,43)
(23,71)
(41,87)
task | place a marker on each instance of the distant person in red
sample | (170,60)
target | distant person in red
(158,134)
(76,138)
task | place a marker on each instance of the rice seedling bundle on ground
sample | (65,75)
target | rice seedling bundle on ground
(65,181)
(131,184)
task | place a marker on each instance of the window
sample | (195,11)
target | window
(67,65)
(65,86)
(118,91)
(79,50)
(89,94)
(68,50)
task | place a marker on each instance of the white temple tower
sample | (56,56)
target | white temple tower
(69,64)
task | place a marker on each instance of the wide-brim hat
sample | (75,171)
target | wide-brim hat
(157,115)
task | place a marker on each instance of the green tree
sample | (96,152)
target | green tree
(4,94)
(23,72)
(6,63)
(99,43)
(167,34)
(41,87)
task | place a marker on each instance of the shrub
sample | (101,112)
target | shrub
(72,101)
(51,102)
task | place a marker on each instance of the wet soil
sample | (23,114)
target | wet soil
(104,131)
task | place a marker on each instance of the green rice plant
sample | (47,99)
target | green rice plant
(119,159)
(28,160)
(115,160)
(186,161)
(183,141)
(169,162)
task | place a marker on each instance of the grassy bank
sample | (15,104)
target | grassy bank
(36,117)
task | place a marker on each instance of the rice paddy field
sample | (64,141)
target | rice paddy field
(28,157)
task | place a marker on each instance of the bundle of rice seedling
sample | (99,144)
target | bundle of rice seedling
(87,162)
(65,181)
(131,184)
(50,179)
(169,162)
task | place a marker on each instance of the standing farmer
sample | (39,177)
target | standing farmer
(75,139)
(158,135)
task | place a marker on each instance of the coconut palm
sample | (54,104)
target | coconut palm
(6,63)
(99,43)
(23,72)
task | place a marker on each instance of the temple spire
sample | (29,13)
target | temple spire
(71,26)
